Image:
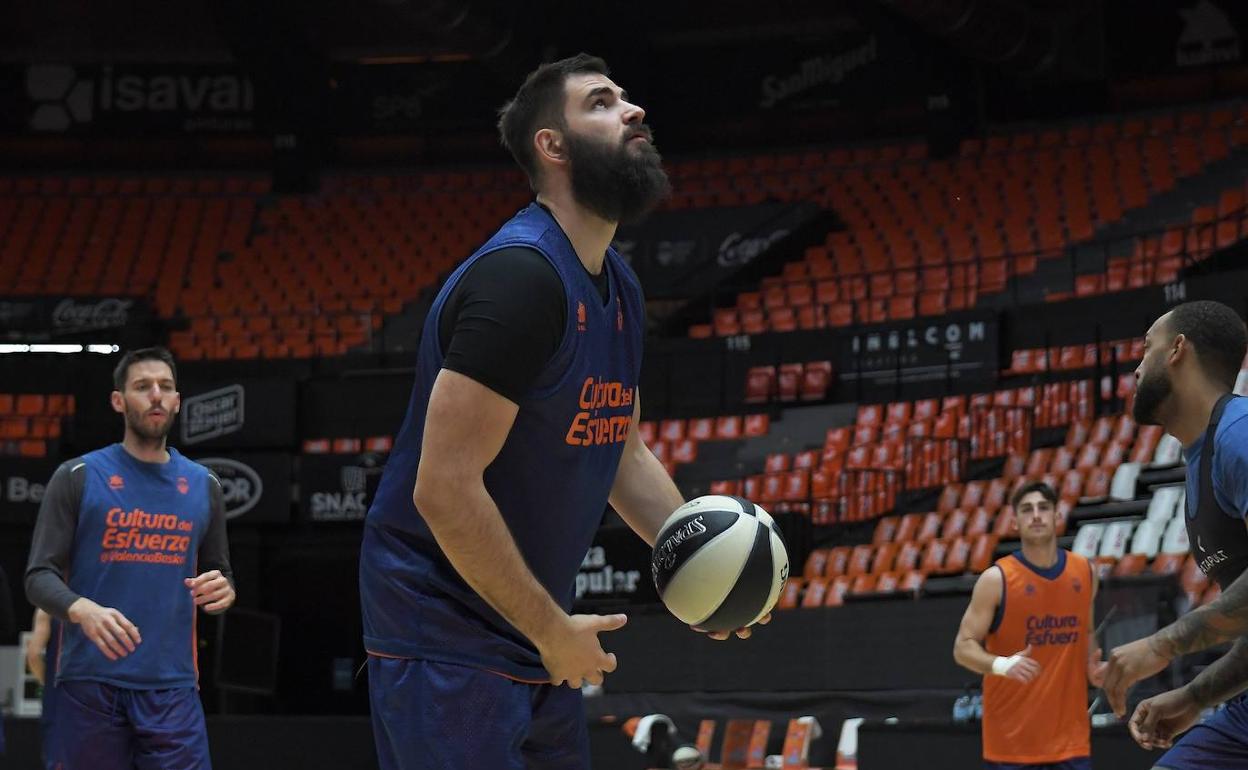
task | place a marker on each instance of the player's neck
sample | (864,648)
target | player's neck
(589,233)
(1042,555)
(1192,411)
(144,449)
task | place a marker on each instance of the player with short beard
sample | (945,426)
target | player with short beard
(126,677)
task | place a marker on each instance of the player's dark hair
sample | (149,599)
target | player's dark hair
(1218,334)
(1044,489)
(136,356)
(539,104)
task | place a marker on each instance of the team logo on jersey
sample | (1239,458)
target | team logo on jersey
(1052,629)
(116,482)
(590,426)
(184,486)
(580,316)
(1029,589)
(1077,584)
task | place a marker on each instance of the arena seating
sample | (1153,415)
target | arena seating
(31,423)
(258,275)
(928,237)
(973,523)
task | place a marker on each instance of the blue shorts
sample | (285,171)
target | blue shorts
(1077,763)
(1220,741)
(440,716)
(99,726)
(47,715)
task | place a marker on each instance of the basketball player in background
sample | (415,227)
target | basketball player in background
(41,646)
(1184,383)
(129,541)
(519,430)
(1027,631)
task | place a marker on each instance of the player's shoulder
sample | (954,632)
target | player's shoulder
(73,466)
(195,470)
(1076,561)
(1234,427)
(994,576)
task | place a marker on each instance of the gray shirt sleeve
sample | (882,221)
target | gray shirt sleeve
(214,551)
(54,541)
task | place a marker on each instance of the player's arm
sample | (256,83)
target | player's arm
(968,648)
(643,494)
(1096,666)
(37,643)
(1223,679)
(465,427)
(1226,617)
(53,541)
(1159,719)
(1222,620)
(213,589)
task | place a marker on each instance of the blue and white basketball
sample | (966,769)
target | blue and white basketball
(719,563)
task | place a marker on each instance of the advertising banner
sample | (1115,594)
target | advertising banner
(241,413)
(958,345)
(61,317)
(685,252)
(256,485)
(135,98)
(338,487)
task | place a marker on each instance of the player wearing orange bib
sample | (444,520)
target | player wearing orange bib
(1028,630)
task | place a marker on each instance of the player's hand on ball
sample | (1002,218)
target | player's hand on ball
(1159,719)
(110,631)
(742,633)
(212,591)
(1129,664)
(572,653)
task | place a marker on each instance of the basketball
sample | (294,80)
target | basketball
(719,563)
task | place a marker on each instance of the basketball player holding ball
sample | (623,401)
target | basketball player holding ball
(1027,631)
(519,430)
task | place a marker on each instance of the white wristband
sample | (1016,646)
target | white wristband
(1001,665)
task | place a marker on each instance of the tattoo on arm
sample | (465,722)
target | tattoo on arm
(1222,620)
(1225,678)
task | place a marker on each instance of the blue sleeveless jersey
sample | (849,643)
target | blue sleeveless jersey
(139,530)
(550,480)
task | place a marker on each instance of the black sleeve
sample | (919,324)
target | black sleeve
(214,551)
(504,320)
(54,541)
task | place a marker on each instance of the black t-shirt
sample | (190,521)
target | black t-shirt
(505,318)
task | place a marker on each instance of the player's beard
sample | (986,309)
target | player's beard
(617,183)
(1150,392)
(137,424)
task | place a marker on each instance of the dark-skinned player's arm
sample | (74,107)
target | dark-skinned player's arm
(465,427)
(645,496)
(1096,666)
(37,645)
(1159,719)
(968,647)
(1222,620)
